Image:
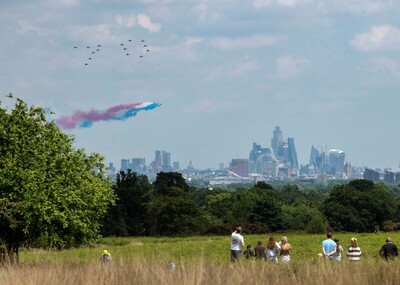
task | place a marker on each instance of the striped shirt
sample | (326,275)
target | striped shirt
(354,253)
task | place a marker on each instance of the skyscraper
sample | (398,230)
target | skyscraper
(277,139)
(292,155)
(336,161)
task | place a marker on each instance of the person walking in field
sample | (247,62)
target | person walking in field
(272,249)
(248,253)
(329,247)
(339,249)
(259,250)
(354,251)
(389,250)
(237,242)
(285,249)
(105,257)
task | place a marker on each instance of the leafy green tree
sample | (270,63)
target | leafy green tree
(359,206)
(220,206)
(51,194)
(128,216)
(173,210)
(298,217)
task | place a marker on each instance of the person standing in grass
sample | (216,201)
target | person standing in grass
(272,249)
(105,257)
(285,249)
(248,253)
(389,250)
(354,251)
(259,250)
(339,249)
(237,242)
(329,247)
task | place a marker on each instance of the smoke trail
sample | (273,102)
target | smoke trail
(120,112)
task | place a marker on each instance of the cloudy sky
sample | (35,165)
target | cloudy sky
(226,73)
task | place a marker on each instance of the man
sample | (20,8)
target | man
(389,250)
(237,243)
(259,251)
(329,247)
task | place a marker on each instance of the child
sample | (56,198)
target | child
(248,253)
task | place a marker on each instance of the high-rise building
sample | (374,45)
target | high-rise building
(292,154)
(138,164)
(370,174)
(125,165)
(157,160)
(166,161)
(336,161)
(277,139)
(175,165)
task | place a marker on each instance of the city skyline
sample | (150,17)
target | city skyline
(225,73)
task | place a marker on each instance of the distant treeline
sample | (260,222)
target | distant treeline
(170,207)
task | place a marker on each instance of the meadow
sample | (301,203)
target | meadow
(201,260)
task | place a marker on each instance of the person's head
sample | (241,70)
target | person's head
(105,252)
(249,246)
(336,240)
(271,242)
(388,239)
(283,239)
(329,235)
(259,242)
(353,242)
(239,230)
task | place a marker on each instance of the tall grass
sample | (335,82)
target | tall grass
(200,260)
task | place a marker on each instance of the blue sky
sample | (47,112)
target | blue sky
(226,73)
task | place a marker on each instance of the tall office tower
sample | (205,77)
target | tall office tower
(347,170)
(277,139)
(258,157)
(125,165)
(240,167)
(336,161)
(221,166)
(138,164)
(314,157)
(166,161)
(292,155)
(175,165)
(157,160)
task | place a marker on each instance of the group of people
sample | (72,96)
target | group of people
(331,249)
(272,251)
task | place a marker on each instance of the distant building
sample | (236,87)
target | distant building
(292,154)
(277,139)
(221,166)
(175,165)
(240,167)
(336,161)
(370,174)
(125,165)
(389,176)
(347,171)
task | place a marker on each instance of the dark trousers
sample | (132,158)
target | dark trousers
(235,255)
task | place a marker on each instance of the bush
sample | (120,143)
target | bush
(316,225)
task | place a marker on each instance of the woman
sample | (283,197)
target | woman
(271,250)
(339,249)
(354,252)
(285,249)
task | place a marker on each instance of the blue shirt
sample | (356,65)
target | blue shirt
(329,246)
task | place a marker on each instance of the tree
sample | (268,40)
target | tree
(51,194)
(173,210)
(128,216)
(359,206)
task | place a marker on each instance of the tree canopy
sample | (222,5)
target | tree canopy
(51,194)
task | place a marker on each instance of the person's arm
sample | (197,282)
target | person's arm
(396,252)
(382,251)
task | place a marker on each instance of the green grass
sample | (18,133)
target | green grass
(213,249)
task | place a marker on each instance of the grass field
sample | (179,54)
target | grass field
(201,260)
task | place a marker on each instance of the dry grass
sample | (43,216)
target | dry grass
(199,272)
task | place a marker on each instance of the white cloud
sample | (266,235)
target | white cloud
(25,26)
(191,41)
(377,39)
(93,34)
(127,21)
(283,3)
(255,41)
(203,13)
(288,67)
(145,22)
(244,68)
(385,64)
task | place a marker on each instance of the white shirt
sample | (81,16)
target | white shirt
(237,241)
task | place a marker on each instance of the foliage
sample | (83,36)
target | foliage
(128,216)
(51,195)
(359,206)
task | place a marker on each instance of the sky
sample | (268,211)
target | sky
(225,72)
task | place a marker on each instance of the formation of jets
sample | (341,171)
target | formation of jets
(128,48)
